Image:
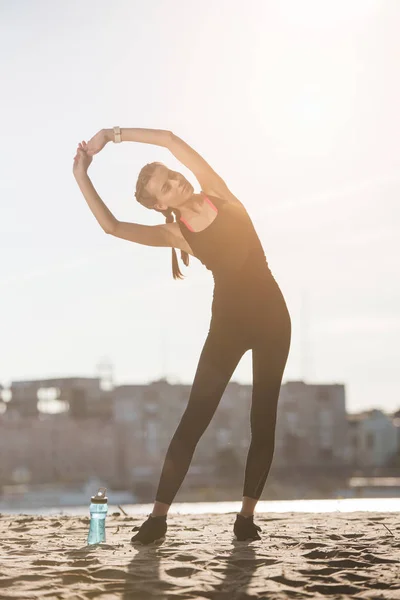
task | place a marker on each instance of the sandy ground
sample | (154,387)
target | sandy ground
(301,555)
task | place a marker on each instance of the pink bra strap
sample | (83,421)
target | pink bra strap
(187,224)
(209,202)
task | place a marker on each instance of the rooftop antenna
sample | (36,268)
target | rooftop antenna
(105,371)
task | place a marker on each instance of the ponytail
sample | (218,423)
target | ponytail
(176,272)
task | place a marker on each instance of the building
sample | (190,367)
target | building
(56,448)
(311,426)
(82,397)
(373,438)
(122,435)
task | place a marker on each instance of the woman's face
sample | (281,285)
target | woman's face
(170,188)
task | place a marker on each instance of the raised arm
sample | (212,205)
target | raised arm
(157,137)
(210,182)
(104,216)
(167,235)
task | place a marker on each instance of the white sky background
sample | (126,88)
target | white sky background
(295,104)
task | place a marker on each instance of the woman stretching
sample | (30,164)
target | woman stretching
(248,308)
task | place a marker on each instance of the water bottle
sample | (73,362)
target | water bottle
(98,512)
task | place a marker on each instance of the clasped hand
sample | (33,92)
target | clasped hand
(85,151)
(82,159)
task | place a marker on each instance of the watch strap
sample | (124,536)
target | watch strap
(117,134)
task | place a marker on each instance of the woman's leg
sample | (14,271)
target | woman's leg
(218,360)
(270,355)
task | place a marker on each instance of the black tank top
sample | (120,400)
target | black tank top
(229,246)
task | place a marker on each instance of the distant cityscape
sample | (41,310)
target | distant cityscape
(119,435)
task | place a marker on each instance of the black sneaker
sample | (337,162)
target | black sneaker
(154,528)
(245,529)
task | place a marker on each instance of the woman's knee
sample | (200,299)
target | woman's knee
(187,436)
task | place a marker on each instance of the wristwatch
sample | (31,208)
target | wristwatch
(117,134)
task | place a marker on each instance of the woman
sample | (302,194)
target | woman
(248,308)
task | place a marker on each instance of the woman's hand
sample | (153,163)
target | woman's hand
(98,141)
(82,159)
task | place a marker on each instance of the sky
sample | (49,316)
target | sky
(295,104)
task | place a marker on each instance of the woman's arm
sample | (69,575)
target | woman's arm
(210,182)
(82,162)
(104,216)
(158,137)
(149,235)
(167,235)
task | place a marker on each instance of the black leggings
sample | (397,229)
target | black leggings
(266,330)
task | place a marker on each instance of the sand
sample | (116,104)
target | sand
(301,555)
